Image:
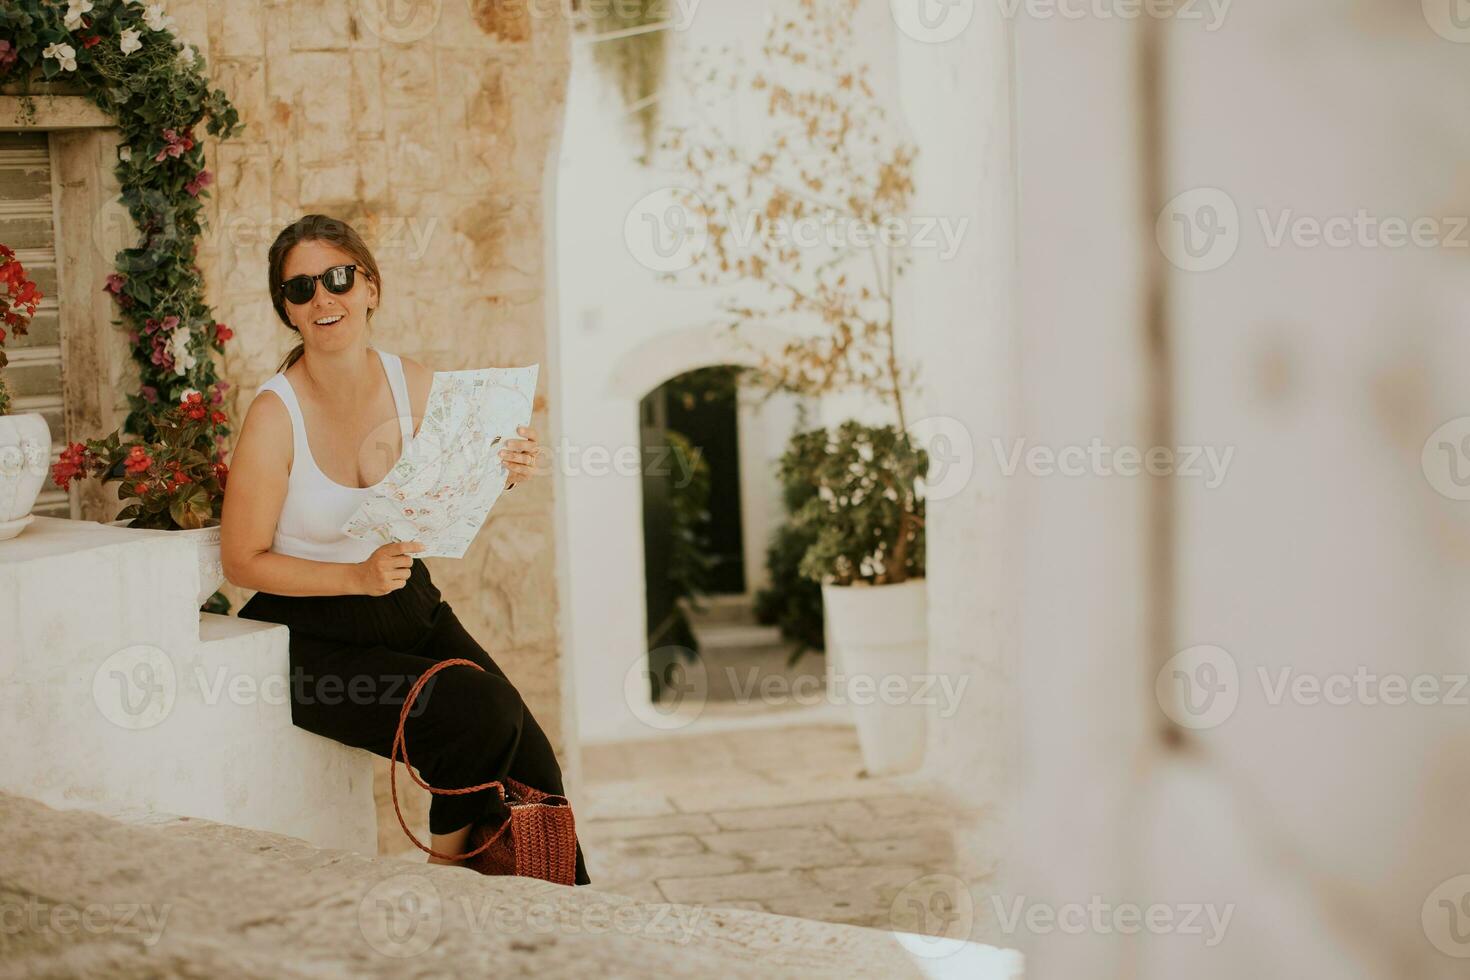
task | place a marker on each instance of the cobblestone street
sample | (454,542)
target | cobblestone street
(774,819)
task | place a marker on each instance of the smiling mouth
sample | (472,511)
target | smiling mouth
(328,321)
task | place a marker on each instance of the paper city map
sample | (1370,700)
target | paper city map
(450,474)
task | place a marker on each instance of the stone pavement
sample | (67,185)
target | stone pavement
(82,894)
(778,819)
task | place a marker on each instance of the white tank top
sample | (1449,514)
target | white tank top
(316,506)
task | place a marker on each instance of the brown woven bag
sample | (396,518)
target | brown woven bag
(542,842)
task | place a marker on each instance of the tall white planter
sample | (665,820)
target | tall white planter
(880,634)
(25,454)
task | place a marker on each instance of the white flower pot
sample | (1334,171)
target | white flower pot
(25,457)
(211,566)
(880,635)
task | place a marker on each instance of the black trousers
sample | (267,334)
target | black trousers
(354,659)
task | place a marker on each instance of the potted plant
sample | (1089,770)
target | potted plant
(864,518)
(172,483)
(25,439)
(810,225)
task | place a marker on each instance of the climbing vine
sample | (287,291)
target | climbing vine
(635,61)
(124,56)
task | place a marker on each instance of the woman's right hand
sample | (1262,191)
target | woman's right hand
(387,569)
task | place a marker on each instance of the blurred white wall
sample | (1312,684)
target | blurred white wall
(1327,836)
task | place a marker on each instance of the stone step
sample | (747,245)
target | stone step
(115,691)
(174,897)
(733,609)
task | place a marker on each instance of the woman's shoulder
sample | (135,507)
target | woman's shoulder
(419,380)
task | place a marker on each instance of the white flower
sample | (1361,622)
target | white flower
(125,154)
(65,54)
(74,11)
(187,392)
(188,55)
(130,40)
(155,18)
(178,346)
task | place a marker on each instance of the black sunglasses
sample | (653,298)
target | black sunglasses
(300,289)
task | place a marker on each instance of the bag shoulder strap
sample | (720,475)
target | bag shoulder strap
(399,745)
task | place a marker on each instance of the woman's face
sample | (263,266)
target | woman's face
(328,321)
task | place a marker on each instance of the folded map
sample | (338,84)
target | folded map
(450,474)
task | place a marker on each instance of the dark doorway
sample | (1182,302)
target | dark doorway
(692,540)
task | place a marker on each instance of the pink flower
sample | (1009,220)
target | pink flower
(203,180)
(150,394)
(174,145)
(7,55)
(115,283)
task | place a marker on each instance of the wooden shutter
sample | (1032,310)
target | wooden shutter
(28,224)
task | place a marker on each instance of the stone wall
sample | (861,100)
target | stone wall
(432,138)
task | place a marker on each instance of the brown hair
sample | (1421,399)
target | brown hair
(315,228)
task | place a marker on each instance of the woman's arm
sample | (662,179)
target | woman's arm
(254,495)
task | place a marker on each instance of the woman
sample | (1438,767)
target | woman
(365,622)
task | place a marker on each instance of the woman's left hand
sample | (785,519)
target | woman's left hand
(519,456)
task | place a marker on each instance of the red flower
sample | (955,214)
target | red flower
(137,461)
(219,418)
(222,332)
(92,41)
(194,406)
(72,460)
(221,473)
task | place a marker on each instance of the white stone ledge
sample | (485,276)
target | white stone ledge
(115,691)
